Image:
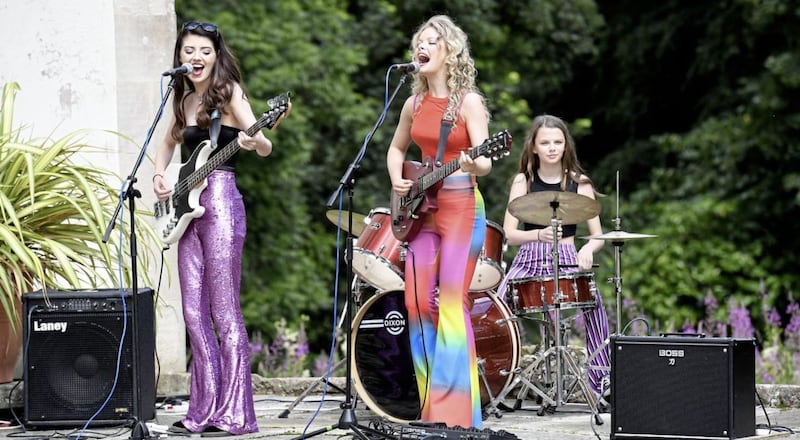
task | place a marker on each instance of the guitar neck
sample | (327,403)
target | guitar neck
(226,153)
(445,170)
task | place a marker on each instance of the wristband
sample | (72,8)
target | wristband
(157,175)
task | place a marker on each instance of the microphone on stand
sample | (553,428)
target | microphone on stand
(181,70)
(407,67)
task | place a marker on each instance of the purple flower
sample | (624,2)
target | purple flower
(774,318)
(739,320)
(711,303)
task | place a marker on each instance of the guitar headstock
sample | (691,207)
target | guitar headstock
(497,145)
(279,108)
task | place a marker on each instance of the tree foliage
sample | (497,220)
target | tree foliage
(690,108)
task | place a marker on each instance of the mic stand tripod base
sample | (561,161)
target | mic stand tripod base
(139,431)
(311,388)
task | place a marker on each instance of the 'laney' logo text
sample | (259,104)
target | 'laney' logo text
(49,326)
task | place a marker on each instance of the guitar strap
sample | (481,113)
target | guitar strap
(444,132)
(213,132)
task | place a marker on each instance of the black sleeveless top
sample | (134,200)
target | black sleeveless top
(193,136)
(539,185)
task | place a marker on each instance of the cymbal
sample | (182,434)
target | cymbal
(535,207)
(359,221)
(618,236)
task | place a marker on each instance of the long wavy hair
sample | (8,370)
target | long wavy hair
(529,162)
(461,71)
(224,74)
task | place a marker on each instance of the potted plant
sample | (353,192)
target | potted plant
(53,215)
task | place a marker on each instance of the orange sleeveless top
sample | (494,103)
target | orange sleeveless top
(425,127)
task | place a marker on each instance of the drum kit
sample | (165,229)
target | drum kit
(381,362)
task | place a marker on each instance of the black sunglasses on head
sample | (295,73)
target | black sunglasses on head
(208,27)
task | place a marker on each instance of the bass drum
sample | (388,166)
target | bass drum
(383,374)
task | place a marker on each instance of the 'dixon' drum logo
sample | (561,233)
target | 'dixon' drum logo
(394,322)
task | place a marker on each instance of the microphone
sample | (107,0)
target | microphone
(182,70)
(407,67)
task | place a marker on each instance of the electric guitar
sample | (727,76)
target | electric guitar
(421,199)
(189,179)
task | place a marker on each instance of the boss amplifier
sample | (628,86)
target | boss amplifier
(682,387)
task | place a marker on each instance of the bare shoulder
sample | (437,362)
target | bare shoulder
(237,91)
(473,100)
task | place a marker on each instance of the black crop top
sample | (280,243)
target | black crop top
(539,185)
(194,135)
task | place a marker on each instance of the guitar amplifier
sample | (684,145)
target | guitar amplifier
(682,387)
(75,341)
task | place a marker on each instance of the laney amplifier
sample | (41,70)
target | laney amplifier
(75,341)
(685,387)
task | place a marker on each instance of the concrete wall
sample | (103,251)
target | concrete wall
(97,64)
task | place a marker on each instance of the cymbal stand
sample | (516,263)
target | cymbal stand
(562,356)
(617,279)
(555,222)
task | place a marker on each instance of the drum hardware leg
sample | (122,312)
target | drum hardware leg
(357,287)
(531,381)
(496,406)
(311,388)
(573,379)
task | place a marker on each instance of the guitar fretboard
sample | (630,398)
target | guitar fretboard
(429,180)
(197,176)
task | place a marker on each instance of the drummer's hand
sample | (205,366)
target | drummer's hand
(585,259)
(546,234)
(402,187)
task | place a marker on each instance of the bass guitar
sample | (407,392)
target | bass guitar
(189,179)
(407,211)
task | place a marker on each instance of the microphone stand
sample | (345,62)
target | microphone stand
(348,419)
(139,430)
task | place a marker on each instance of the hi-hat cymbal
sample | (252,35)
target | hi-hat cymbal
(617,236)
(359,221)
(537,207)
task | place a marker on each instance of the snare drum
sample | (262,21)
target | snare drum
(377,255)
(531,295)
(489,270)
(383,372)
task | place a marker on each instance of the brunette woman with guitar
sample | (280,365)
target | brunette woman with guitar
(445,249)
(210,249)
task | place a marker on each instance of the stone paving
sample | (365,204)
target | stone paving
(283,415)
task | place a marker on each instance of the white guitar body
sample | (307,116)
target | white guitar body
(174,214)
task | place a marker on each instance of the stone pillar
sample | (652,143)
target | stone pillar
(97,64)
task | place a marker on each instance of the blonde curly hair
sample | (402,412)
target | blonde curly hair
(461,71)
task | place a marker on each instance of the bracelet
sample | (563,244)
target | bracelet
(157,175)
(538,235)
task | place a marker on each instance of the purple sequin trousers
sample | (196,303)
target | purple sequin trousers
(210,262)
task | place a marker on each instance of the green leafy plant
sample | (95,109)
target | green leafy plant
(53,214)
